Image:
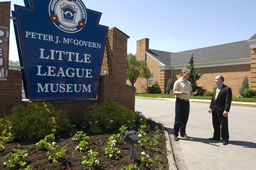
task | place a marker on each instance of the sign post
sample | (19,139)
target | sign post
(61,47)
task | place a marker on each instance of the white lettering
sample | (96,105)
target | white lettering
(64,55)
(62,88)
(52,71)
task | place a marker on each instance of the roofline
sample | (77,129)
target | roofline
(155,58)
(210,64)
(252,43)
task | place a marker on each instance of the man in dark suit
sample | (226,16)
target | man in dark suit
(219,107)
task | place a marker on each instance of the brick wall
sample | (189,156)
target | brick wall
(5,14)
(10,92)
(253,68)
(233,76)
(142,46)
(115,80)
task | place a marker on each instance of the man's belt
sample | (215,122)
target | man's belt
(184,99)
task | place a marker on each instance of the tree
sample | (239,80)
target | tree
(136,69)
(169,86)
(194,75)
(245,85)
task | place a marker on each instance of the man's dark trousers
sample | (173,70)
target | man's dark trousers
(181,116)
(220,126)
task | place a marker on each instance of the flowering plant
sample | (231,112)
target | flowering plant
(111,150)
(90,159)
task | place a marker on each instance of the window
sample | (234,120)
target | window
(150,80)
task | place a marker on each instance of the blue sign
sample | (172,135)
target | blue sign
(61,47)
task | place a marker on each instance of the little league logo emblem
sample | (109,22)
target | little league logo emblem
(68,15)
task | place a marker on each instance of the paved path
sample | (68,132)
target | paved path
(199,153)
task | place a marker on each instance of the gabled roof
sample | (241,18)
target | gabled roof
(253,37)
(162,57)
(226,52)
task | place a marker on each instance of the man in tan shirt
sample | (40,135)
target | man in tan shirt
(182,91)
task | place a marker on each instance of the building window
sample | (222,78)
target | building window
(150,80)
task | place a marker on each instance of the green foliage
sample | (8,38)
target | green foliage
(80,136)
(194,75)
(146,160)
(136,69)
(2,144)
(123,129)
(95,127)
(131,167)
(245,85)
(249,93)
(90,159)
(111,149)
(155,88)
(8,137)
(5,130)
(16,160)
(55,153)
(36,120)
(44,143)
(142,131)
(158,158)
(208,93)
(50,138)
(82,146)
(169,86)
(116,137)
(108,110)
(110,124)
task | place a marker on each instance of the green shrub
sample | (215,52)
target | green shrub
(208,92)
(108,110)
(36,120)
(201,91)
(154,89)
(169,86)
(249,93)
(245,85)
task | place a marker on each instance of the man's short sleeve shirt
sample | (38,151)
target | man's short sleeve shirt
(179,85)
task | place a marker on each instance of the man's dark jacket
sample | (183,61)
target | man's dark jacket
(223,101)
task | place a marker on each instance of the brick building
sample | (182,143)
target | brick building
(232,60)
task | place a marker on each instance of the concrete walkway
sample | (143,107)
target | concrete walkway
(198,152)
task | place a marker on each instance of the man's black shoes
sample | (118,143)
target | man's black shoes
(225,142)
(185,136)
(214,139)
(176,138)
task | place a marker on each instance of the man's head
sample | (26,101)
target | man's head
(185,73)
(219,80)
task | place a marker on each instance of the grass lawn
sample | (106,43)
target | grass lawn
(240,99)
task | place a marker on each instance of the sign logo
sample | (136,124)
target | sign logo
(68,15)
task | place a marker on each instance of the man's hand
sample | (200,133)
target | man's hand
(210,110)
(195,92)
(225,114)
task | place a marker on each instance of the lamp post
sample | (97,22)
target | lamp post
(131,137)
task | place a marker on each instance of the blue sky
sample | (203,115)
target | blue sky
(173,25)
